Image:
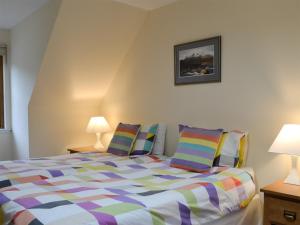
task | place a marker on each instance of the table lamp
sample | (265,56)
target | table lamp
(98,125)
(288,142)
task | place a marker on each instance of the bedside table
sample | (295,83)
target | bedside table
(281,204)
(82,149)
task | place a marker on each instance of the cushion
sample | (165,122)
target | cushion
(145,140)
(228,152)
(159,145)
(123,139)
(196,148)
(243,151)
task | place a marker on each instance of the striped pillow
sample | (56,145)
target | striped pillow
(123,139)
(196,148)
(145,140)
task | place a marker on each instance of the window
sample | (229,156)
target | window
(3,87)
(1,92)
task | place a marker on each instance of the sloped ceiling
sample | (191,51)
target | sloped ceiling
(88,44)
(14,11)
(147,4)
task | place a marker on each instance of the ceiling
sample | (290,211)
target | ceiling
(147,4)
(14,11)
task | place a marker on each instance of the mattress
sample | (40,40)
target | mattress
(89,189)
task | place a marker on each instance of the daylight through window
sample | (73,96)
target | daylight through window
(2,73)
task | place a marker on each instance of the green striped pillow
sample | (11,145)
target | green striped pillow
(123,139)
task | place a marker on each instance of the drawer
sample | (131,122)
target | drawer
(281,212)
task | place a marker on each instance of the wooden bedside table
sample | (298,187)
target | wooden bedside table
(281,204)
(82,149)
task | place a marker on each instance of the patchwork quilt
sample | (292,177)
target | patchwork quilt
(127,191)
(24,171)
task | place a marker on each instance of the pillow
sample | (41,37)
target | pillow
(243,151)
(159,144)
(145,140)
(196,148)
(228,149)
(123,139)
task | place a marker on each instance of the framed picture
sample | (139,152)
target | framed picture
(198,62)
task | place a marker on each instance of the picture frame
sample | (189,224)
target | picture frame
(198,61)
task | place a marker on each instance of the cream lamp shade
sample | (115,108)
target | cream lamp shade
(288,142)
(98,125)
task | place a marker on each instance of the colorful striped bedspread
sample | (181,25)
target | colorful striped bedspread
(142,190)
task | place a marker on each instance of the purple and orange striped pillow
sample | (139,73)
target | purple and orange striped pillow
(196,148)
(123,139)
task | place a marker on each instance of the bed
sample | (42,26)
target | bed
(24,171)
(95,188)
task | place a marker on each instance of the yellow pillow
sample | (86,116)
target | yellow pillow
(243,151)
(232,149)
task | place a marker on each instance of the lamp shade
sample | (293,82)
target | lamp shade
(98,124)
(287,141)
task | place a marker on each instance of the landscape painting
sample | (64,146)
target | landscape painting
(198,62)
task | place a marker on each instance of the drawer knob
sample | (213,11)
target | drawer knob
(289,215)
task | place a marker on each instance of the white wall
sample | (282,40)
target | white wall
(259,91)
(88,43)
(28,43)
(6,147)
(4,36)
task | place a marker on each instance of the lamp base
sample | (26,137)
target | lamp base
(98,145)
(293,178)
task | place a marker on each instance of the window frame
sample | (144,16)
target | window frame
(6,88)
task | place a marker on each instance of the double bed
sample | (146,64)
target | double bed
(105,189)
